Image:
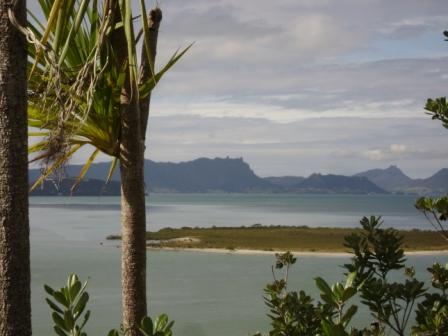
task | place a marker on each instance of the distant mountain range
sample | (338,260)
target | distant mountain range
(285,181)
(235,176)
(339,184)
(89,187)
(393,179)
(201,175)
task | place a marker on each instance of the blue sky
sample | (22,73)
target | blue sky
(302,86)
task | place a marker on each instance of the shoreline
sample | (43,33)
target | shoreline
(277,239)
(335,254)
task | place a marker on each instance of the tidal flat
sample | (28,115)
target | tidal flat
(277,239)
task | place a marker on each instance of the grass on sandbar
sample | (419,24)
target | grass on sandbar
(279,238)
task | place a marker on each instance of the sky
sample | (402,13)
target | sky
(302,86)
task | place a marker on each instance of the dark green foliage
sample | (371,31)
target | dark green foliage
(438,107)
(432,316)
(284,260)
(161,326)
(432,313)
(69,303)
(377,253)
(434,206)
(291,313)
(335,318)
(438,110)
(435,211)
(439,277)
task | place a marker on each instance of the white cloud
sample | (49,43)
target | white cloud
(375,154)
(299,86)
(398,149)
(278,110)
(393,152)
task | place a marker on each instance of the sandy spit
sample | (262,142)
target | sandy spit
(297,253)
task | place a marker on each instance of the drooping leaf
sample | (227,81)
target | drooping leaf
(84,169)
(112,168)
(55,166)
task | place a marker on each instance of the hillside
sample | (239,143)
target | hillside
(89,187)
(205,175)
(437,183)
(338,184)
(391,178)
(285,181)
(236,176)
(201,175)
(394,180)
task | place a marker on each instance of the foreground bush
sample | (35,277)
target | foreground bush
(377,253)
(69,313)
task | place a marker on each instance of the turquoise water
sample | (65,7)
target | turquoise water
(207,294)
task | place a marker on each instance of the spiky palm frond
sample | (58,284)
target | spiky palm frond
(74,83)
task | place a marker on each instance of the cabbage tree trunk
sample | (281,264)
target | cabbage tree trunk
(134,114)
(133,216)
(15,307)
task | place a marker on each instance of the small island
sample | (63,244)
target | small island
(277,238)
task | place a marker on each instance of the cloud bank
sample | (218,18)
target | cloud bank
(302,86)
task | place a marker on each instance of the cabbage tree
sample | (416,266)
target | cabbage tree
(86,87)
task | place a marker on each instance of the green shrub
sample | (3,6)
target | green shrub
(377,253)
(69,303)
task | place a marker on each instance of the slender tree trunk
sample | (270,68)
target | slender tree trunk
(133,217)
(134,119)
(15,307)
(133,207)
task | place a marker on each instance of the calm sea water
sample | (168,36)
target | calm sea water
(207,294)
